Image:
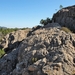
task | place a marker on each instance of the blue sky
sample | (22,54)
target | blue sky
(28,13)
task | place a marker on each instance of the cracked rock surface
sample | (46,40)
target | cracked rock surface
(48,51)
(66,17)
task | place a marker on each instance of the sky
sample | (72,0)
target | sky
(28,13)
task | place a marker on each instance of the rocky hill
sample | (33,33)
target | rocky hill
(66,17)
(43,50)
(47,51)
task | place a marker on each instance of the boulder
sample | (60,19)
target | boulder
(13,39)
(8,62)
(66,17)
(33,29)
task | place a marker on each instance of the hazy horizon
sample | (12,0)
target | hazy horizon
(28,13)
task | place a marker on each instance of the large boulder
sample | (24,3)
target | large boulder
(13,39)
(48,51)
(66,17)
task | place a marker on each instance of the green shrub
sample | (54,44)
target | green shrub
(7,30)
(46,21)
(34,59)
(2,52)
(66,29)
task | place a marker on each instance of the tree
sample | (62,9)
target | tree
(60,6)
(42,21)
(45,22)
(48,20)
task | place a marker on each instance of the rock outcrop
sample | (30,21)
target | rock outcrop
(34,29)
(12,40)
(47,51)
(66,17)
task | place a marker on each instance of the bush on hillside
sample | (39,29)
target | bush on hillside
(7,30)
(2,52)
(46,21)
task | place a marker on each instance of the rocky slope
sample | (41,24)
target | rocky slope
(12,40)
(66,17)
(47,51)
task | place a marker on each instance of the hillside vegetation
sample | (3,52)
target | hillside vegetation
(5,31)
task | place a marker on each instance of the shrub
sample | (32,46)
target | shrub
(46,21)
(66,29)
(2,52)
(34,59)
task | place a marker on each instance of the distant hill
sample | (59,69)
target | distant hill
(3,27)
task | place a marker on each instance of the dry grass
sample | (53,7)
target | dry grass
(66,29)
